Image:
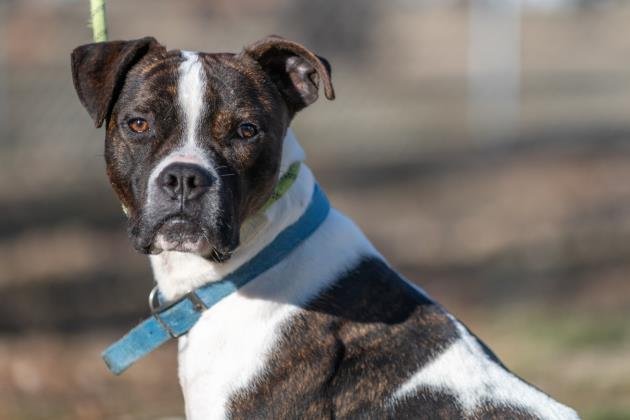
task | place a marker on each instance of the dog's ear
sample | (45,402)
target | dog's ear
(294,69)
(99,70)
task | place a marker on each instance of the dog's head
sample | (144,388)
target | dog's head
(194,140)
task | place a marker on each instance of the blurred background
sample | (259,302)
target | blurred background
(483,145)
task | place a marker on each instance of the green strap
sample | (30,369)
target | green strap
(99,22)
(283,185)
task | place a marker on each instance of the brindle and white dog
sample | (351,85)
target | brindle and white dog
(195,144)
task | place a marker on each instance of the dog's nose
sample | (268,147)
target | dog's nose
(184,181)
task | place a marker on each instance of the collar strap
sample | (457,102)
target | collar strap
(176,318)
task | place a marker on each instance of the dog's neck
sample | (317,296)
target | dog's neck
(177,273)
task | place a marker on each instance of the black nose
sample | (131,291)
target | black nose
(184,181)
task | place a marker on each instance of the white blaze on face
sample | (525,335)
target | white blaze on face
(190,94)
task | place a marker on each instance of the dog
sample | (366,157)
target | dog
(281,306)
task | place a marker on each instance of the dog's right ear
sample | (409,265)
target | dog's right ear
(99,70)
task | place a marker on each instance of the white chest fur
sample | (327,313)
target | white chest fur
(229,346)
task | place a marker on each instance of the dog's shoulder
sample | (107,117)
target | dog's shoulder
(374,346)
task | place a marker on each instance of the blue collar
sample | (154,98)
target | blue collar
(175,319)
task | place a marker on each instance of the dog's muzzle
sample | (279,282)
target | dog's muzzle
(185,212)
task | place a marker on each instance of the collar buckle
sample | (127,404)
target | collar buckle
(157,307)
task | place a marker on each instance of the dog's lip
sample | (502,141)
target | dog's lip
(213,252)
(181,234)
(171,221)
(145,236)
(175,220)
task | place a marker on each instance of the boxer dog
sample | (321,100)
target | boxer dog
(281,307)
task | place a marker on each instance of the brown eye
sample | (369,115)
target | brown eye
(246,131)
(138,125)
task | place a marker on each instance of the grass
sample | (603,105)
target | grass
(608,413)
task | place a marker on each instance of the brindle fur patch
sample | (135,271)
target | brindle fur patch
(347,351)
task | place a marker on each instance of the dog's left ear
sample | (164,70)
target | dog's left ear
(294,69)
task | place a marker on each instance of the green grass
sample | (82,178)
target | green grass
(578,332)
(609,413)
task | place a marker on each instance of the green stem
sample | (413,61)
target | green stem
(99,21)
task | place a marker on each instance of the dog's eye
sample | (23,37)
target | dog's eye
(246,131)
(138,125)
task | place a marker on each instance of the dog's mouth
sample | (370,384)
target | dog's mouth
(183,234)
(180,234)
